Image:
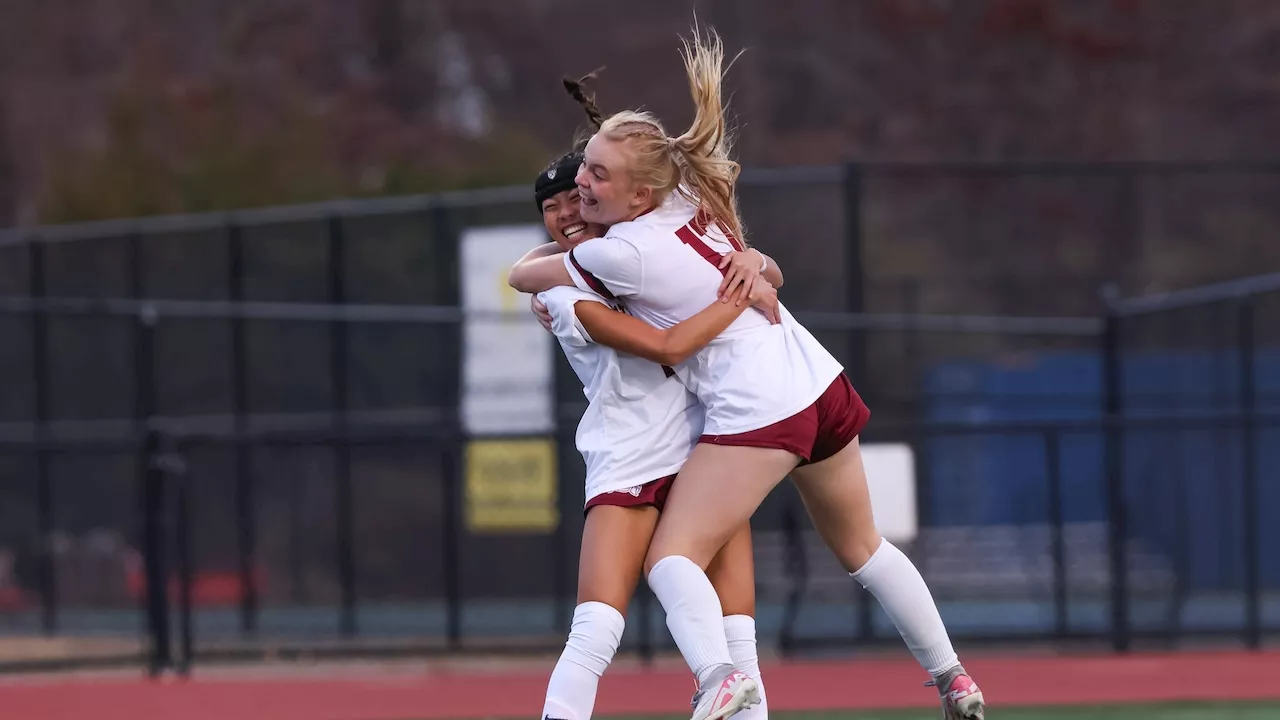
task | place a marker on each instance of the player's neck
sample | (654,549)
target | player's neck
(640,212)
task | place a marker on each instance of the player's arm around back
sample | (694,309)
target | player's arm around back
(772,272)
(608,266)
(676,344)
(544,250)
(740,269)
(537,274)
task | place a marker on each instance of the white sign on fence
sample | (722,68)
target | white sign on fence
(507,371)
(891,477)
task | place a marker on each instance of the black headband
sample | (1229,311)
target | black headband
(557,177)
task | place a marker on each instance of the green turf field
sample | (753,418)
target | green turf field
(1234,711)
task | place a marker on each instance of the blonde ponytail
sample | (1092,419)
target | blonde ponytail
(696,163)
(702,152)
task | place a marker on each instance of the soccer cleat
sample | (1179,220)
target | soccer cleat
(961,698)
(735,693)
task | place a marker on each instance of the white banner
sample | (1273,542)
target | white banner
(891,479)
(507,371)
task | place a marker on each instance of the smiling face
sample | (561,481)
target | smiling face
(561,216)
(609,193)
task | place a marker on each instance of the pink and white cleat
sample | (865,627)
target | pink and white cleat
(735,693)
(961,698)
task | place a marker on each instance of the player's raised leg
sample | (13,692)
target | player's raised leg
(835,494)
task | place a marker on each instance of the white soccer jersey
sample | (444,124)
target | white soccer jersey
(665,265)
(640,425)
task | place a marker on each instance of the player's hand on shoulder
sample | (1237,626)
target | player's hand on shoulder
(764,297)
(740,272)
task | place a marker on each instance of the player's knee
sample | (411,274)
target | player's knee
(658,554)
(660,547)
(594,636)
(699,548)
(653,558)
(609,591)
(855,550)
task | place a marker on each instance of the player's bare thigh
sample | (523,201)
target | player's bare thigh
(715,494)
(835,494)
(733,574)
(614,542)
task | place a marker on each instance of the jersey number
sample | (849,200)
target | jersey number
(694,230)
(691,234)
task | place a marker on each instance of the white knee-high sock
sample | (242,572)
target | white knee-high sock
(593,641)
(740,631)
(693,615)
(891,577)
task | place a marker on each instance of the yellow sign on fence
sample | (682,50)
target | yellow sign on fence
(511,486)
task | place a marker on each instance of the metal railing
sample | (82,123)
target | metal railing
(1239,301)
(166,449)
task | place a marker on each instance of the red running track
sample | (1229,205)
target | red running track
(835,685)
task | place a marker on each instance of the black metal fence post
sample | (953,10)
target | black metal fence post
(453,461)
(922,445)
(153,495)
(798,572)
(170,465)
(38,290)
(1057,551)
(563,591)
(854,272)
(1113,439)
(449,544)
(338,376)
(246,516)
(155,568)
(1249,446)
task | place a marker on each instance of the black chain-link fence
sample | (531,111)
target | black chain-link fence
(1199,372)
(299,373)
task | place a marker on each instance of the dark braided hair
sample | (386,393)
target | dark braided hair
(559,175)
(578,91)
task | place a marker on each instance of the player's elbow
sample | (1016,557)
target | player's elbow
(774,276)
(521,279)
(670,353)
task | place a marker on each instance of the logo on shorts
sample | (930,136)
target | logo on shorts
(551,174)
(632,491)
